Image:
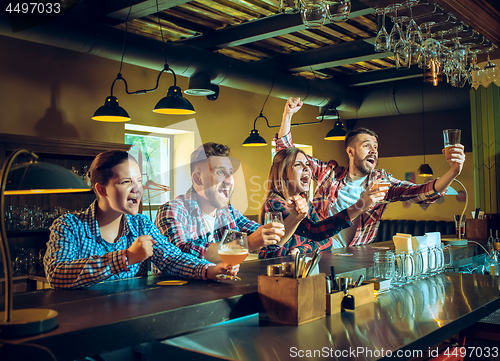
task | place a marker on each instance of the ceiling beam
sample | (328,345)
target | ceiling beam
(326,57)
(382,76)
(261,29)
(119,9)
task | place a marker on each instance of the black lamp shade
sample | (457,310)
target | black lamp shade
(174,103)
(29,178)
(111,112)
(254,140)
(425,170)
(337,133)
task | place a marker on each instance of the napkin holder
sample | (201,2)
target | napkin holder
(292,301)
(362,294)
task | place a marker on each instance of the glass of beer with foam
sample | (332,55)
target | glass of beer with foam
(233,248)
(381,181)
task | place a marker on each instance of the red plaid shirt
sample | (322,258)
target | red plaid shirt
(331,178)
(181,221)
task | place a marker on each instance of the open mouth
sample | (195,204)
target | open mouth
(224,193)
(305,181)
(371,160)
(133,200)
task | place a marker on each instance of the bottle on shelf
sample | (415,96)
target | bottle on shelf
(491,243)
(496,245)
(495,256)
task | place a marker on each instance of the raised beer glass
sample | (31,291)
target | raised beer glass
(233,249)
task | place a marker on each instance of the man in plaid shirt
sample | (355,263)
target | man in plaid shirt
(195,222)
(339,187)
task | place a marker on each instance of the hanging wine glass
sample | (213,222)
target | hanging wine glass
(338,10)
(313,13)
(382,39)
(395,34)
(459,53)
(430,47)
(490,72)
(476,74)
(414,36)
(402,54)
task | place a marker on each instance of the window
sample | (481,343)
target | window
(154,155)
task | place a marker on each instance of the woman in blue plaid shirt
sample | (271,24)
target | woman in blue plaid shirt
(111,240)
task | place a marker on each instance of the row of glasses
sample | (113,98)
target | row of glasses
(405,267)
(31,217)
(434,52)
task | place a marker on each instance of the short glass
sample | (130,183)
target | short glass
(270,217)
(451,137)
(384,265)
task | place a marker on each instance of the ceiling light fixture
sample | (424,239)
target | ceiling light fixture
(337,133)
(173,104)
(111,111)
(254,139)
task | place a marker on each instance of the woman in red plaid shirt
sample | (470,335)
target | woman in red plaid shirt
(287,188)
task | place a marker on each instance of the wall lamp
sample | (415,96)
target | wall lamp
(255,140)
(173,104)
(28,178)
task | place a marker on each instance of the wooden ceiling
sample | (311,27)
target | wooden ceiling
(254,31)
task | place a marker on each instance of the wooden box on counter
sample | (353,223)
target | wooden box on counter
(362,294)
(292,301)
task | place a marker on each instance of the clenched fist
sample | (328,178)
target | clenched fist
(141,249)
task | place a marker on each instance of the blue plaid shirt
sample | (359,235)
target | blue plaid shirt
(181,221)
(77,255)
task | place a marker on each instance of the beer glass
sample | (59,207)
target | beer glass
(382,181)
(233,248)
(384,265)
(273,217)
(451,137)
(442,260)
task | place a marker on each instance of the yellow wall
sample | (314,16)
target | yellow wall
(445,208)
(53,92)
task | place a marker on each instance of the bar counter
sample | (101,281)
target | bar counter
(119,314)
